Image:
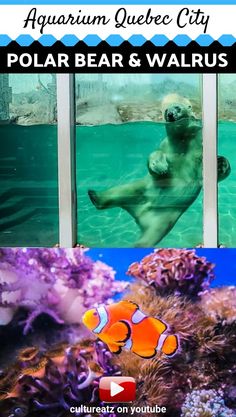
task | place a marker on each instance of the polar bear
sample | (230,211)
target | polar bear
(174,177)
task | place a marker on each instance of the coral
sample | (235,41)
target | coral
(220,304)
(177,312)
(162,380)
(153,379)
(206,403)
(48,383)
(173,285)
(58,282)
(230,395)
(207,349)
(216,332)
(174,271)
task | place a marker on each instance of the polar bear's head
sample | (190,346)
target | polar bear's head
(175,107)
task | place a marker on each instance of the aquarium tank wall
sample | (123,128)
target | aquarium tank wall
(28,160)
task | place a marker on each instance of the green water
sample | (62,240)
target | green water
(112,155)
(227,188)
(28,185)
(107,155)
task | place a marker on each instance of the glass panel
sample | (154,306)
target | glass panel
(122,120)
(28,160)
(226,148)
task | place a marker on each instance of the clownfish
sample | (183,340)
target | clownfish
(124,325)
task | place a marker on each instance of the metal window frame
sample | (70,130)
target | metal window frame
(210,136)
(66,160)
(67,168)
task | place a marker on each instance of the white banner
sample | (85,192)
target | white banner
(104,20)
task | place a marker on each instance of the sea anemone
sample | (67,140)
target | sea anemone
(48,383)
(174,271)
(153,378)
(59,282)
(217,333)
(207,349)
(220,304)
(162,380)
(205,403)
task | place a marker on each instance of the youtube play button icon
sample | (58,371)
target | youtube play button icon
(117,389)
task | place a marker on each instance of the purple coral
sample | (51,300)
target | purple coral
(51,280)
(174,271)
(49,383)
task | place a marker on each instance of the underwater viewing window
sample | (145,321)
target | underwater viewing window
(28,160)
(134,187)
(105,160)
(227,147)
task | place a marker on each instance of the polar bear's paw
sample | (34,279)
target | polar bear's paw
(223,167)
(158,164)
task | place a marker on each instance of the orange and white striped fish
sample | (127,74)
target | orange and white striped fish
(124,325)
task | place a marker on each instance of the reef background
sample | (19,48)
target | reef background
(58,364)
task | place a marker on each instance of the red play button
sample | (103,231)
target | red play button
(117,389)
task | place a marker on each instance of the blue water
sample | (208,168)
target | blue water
(120,259)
